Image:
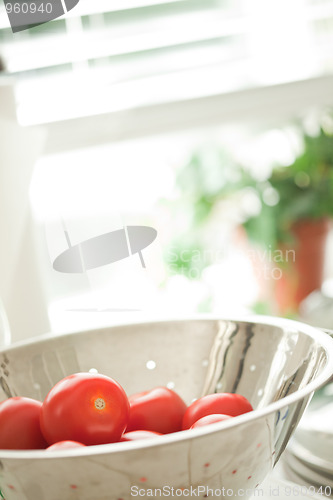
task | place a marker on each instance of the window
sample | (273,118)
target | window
(105,57)
(126,90)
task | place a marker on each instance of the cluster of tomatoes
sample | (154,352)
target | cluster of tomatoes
(90,409)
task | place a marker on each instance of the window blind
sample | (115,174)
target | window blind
(105,56)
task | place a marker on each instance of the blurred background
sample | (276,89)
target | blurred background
(208,120)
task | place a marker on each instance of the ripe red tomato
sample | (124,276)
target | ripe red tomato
(210,419)
(19,424)
(158,410)
(137,435)
(64,445)
(85,407)
(223,402)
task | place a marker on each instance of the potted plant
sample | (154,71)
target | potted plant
(290,229)
(298,218)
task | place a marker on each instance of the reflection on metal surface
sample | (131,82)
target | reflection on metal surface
(275,364)
(217,358)
(310,452)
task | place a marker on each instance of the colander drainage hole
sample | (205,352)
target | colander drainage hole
(151,365)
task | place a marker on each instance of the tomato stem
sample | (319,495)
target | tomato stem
(99,403)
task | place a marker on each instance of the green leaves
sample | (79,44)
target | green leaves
(211,178)
(305,190)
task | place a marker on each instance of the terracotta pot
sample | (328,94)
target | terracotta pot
(303,271)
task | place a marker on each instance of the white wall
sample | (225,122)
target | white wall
(20,288)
